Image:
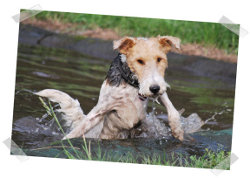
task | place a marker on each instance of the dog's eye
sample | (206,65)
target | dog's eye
(140,61)
(159,59)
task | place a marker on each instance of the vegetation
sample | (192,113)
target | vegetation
(209,159)
(205,33)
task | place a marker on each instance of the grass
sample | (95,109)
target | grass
(209,159)
(205,33)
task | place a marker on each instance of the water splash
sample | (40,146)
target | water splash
(24,90)
(212,118)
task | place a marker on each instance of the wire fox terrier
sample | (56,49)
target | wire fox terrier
(135,75)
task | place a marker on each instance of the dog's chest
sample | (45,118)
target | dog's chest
(128,110)
(133,106)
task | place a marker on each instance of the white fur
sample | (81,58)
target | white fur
(124,99)
(71,108)
(173,117)
(154,79)
(123,58)
(118,108)
(142,38)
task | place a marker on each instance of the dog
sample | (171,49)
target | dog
(135,75)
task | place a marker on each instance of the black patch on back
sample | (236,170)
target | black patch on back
(119,73)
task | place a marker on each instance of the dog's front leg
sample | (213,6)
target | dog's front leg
(173,117)
(108,100)
(93,118)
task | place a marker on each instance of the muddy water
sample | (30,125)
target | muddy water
(209,93)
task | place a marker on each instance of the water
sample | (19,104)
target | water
(81,76)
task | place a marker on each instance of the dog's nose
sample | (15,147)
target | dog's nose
(154,88)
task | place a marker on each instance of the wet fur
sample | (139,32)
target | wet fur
(119,108)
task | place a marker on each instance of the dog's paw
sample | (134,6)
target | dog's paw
(74,134)
(66,137)
(175,125)
(69,136)
(178,133)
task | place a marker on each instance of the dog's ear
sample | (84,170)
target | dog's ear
(124,44)
(167,42)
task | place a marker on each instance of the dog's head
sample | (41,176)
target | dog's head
(146,57)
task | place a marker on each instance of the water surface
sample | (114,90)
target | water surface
(197,85)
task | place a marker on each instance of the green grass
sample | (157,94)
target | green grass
(205,33)
(209,159)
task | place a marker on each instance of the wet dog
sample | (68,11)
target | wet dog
(135,75)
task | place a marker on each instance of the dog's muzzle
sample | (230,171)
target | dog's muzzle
(154,89)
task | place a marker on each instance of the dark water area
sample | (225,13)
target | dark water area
(78,67)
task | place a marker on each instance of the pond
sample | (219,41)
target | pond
(78,67)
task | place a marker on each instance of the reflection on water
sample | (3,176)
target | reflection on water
(81,77)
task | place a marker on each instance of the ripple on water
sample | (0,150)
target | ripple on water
(81,76)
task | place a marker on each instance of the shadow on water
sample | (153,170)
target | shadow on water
(197,84)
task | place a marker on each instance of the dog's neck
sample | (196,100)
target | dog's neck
(119,73)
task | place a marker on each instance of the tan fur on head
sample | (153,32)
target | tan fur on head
(168,42)
(124,44)
(146,57)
